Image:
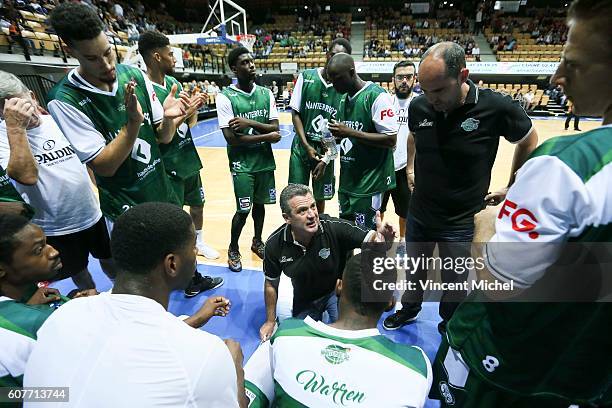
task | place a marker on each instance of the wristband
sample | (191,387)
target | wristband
(326,159)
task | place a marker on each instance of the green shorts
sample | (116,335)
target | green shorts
(249,188)
(189,190)
(301,167)
(362,210)
(455,385)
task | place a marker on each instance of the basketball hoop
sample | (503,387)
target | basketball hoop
(247,40)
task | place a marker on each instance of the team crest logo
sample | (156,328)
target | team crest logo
(470,124)
(324,253)
(273,194)
(360,219)
(335,354)
(446,394)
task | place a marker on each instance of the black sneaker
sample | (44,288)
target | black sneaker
(233,260)
(201,284)
(399,319)
(258,247)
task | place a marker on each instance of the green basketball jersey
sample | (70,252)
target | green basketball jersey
(255,106)
(23,321)
(180,155)
(7,190)
(311,364)
(8,193)
(319,101)
(556,349)
(141,177)
(364,169)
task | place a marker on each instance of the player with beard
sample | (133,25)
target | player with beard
(404,75)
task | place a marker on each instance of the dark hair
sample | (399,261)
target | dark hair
(75,22)
(452,54)
(404,63)
(598,13)
(150,41)
(342,42)
(10,225)
(292,190)
(358,283)
(232,57)
(146,233)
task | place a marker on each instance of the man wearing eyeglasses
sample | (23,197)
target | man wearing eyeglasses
(403,80)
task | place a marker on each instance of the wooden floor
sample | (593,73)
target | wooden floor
(220,206)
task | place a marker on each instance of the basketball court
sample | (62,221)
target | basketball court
(245,289)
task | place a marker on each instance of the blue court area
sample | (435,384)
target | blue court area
(247,314)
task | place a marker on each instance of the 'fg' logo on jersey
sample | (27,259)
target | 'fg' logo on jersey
(522,219)
(360,219)
(386,113)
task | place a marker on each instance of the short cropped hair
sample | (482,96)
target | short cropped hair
(75,22)
(403,63)
(598,13)
(292,190)
(10,225)
(452,54)
(358,280)
(342,42)
(150,41)
(143,236)
(232,57)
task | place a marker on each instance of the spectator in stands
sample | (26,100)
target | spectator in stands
(37,155)
(275,366)
(478,20)
(529,101)
(476,52)
(274,89)
(176,365)
(25,260)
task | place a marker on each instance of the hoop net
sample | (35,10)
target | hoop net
(247,40)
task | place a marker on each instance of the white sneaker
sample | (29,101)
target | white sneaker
(207,251)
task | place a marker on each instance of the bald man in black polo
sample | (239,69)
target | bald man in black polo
(455,128)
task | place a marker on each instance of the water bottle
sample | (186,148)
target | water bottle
(329,141)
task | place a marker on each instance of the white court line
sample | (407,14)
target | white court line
(206,134)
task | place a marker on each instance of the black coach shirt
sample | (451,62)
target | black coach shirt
(314,269)
(455,154)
